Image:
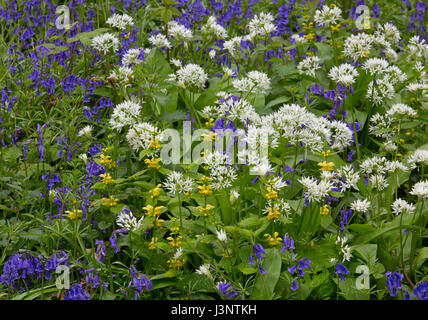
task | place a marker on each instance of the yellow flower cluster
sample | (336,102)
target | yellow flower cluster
(273,240)
(272,194)
(75,214)
(205,211)
(153,163)
(153,211)
(324,210)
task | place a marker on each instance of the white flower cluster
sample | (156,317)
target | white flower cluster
(126,220)
(160,41)
(345,250)
(123,75)
(361,206)
(255,81)
(213,28)
(262,25)
(419,157)
(232,45)
(420,189)
(179,32)
(190,75)
(176,183)
(124,114)
(309,65)
(234,109)
(142,135)
(131,57)
(344,74)
(120,21)
(315,190)
(222,173)
(105,43)
(357,46)
(402,206)
(376,169)
(328,15)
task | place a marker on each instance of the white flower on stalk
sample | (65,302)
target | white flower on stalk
(390,32)
(400,110)
(420,189)
(204,270)
(141,135)
(357,46)
(86,131)
(309,65)
(160,41)
(395,74)
(401,206)
(255,81)
(234,195)
(178,254)
(132,56)
(176,183)
(176,62)
(328,15)
(105,43)
(384,90)
(349,178)
(83,157)
(361,206)
(190,75)
(221,235)
(120,21)
(315,191)
(222,173)
(179,32)
(298,39)
(232,45)
(123,75)
(341,135)
(125,113)
(420,157)
(375,66)
(126,220)
(378,181)
(345,250)
(344,74)
(212,54)
(213,28)
(261,24)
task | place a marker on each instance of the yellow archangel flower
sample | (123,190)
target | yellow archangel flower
(153,163)
(154,144)
(174,242)
(153,211)
(175,263)
(110,202)
(324,210)
(273,213)
(105,160)
(272,194)
(326,166)
(206,190)
(75,214)
(309,37)
(273,241)
(155,191)
(205,211)
(106,178)
(152,244)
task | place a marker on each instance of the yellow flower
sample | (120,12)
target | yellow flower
(174,242)
(335,28)
(325,154)
(206,190)
(272,194)
(154,144)
(205,211)
(106,149)
(209,123)
(175,263)
(106,178)
(273,241)
(150,211)
(110,202)
(152,244)
(175,229)
(159,223)
(76,213)
(227,253)
(324,210)
(309,37)
(153,163)
(205,179)
(273,214)
(209,136)
(326,166)
(155,191)
(105,160)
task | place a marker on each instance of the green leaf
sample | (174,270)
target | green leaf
(265,284)
(422,256)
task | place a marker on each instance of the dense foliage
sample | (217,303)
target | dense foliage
(213,149)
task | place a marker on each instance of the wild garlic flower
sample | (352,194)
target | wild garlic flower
(204,270)
(341,135)
(105,43)
(261,24)
(232,45)
(255,81)
(400,110)
(298,39)
(328,15)
(375,66)
(357,46)
(361,206)
(160,41)
(222,173)
(132,56)
(212,28)
(419,157)
(124,114)
(315,190)
(420,189)
(345,250)
(176,183)
(126,220)
(237,109)
(309,65)
(402,206)
(395,75)
(86,131)
(190,75)
(344,74)
(179,32)
(142,136)
(390,32)
(123,75)
(120,21)
(221,236)
(384,90)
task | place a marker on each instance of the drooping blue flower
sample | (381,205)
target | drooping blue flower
(421,290)
(393,281)
(76,292)
(341,270)
(227,290)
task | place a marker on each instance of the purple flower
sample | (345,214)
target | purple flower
(421,290)
(76,292)
(341,270)
(227,290)
(393,281)
(288,243)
